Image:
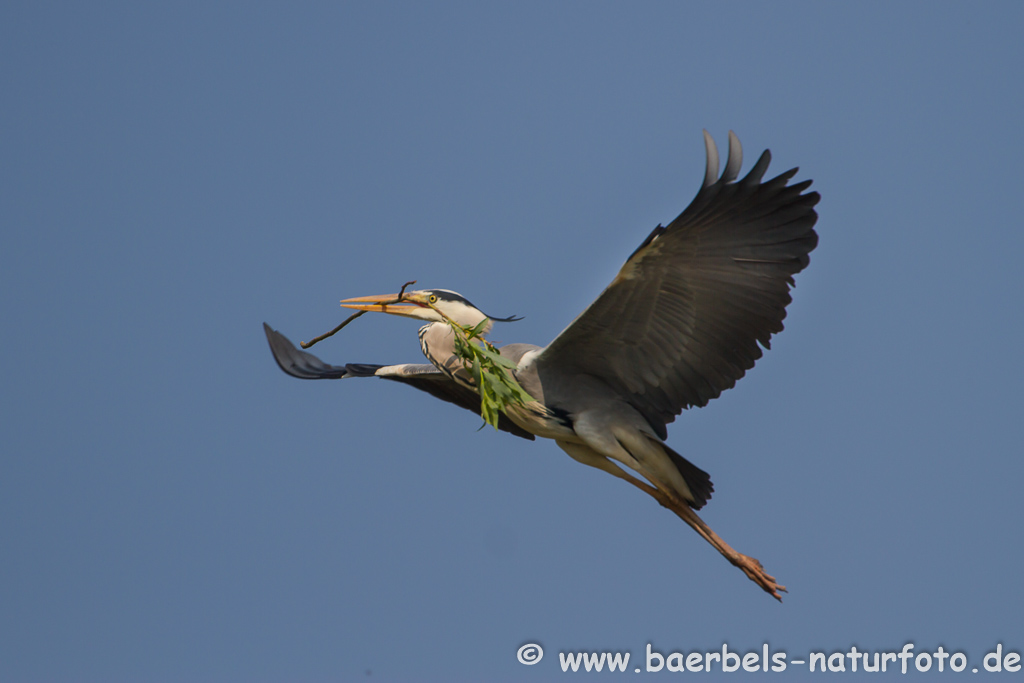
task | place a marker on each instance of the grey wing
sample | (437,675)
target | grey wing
(424,377)
(682,320)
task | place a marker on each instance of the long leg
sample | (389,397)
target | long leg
(749,565)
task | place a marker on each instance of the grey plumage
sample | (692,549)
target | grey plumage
(424,377)
(684,319)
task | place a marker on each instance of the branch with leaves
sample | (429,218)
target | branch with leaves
(492,373)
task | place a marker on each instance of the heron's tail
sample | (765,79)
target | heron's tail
(697,479)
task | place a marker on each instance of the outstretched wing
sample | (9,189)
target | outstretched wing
(423,377)
(682,320)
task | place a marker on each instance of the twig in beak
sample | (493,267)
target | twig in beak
(314,340)
(401,292)
(337,329)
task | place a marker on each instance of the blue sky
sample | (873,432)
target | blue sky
(174,508)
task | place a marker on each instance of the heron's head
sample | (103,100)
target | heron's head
(425,304)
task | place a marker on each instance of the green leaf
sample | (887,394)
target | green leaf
(491,372)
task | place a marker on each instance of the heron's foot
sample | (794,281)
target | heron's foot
(756,573)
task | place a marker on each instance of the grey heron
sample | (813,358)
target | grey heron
(685,317)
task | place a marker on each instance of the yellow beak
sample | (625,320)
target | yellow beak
(387,303)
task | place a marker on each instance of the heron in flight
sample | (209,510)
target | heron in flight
(685,317)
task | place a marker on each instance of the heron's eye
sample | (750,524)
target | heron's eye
(432,298)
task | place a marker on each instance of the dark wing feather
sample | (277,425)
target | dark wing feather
(423,377)
(682,320)
(299,363)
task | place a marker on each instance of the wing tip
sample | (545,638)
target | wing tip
(711,169)
(298,364)
(734,160)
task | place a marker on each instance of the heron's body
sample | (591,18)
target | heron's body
(681,322)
